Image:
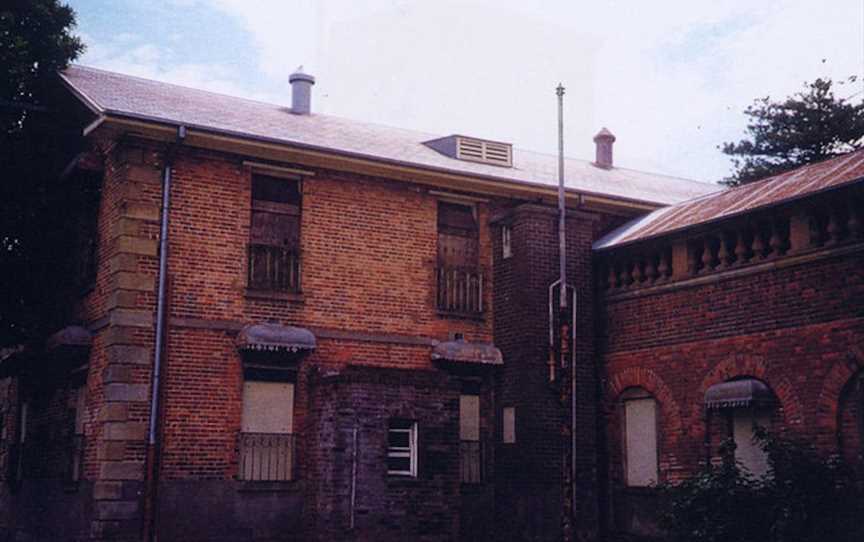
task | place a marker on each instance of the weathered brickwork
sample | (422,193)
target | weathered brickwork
(533,474)
(369,249)
(797,328)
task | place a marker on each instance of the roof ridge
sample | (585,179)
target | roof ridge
(795,169)
(176,85)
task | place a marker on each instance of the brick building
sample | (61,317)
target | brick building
(293,326)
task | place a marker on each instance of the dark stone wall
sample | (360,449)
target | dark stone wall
(385,507)
(229,510)
(533,500)
(47,510)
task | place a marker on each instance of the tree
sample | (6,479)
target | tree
(35,42)
(806,127)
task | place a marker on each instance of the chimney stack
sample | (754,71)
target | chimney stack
(301,92)
(604,140)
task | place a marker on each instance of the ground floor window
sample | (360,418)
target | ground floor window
(640,438)
(749,453)
(267,441)
(402,448)
(470,445)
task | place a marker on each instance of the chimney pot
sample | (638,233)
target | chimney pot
(604,140)
(301,92)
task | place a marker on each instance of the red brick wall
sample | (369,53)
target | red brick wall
(368,252)
(797,328)
(369,249)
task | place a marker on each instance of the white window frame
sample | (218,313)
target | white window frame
(402,452)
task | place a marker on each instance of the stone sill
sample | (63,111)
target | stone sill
(477,317)
(397,480)
(248,486)
(788,260)
(271,295)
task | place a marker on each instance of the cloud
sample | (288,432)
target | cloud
(133,55)
(669,78)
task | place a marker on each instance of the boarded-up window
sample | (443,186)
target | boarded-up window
(457,235)
(267,427)
(640,441)
(508,422)
(469,417)
(274,234)
(748,452)
(506,243)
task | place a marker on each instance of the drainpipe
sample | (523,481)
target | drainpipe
(151,476)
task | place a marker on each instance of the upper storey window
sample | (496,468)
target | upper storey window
(274,235)
(460,279)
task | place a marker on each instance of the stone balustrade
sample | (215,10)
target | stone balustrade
(737,243)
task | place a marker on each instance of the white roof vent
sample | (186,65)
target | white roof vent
(474,150)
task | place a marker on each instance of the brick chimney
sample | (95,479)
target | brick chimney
(301,92)
(604,140)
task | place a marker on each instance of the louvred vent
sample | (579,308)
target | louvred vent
(489,152)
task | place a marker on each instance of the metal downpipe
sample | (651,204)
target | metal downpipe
(151,475)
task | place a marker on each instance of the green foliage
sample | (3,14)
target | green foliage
(803,498)
(807,127)
(35,147)
(35,42)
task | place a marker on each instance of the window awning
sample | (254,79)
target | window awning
(466,352)
(275,338)
(70,337)
(738,394)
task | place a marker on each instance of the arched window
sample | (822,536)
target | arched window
(748,404)
(639,417)
(850,420)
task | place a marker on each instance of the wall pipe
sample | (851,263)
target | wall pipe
(151,475)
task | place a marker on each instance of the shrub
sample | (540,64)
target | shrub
(803,498)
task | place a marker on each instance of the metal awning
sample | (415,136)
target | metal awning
(465,352)
(70,337)
(738,394)
(275,338)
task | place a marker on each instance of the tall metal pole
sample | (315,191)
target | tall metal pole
(562,236)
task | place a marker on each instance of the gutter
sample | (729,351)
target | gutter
(153,450)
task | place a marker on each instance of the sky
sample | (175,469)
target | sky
(670,78)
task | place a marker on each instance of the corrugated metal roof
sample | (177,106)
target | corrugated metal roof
(795,184)
(123,95)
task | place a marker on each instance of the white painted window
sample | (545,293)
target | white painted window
(748,453)
(402,448)
(267,431)
(508,421)
(506,245)
(640,441)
